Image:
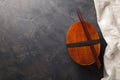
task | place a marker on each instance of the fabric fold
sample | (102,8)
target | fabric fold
(108,18)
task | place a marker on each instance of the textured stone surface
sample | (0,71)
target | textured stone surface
(32,40)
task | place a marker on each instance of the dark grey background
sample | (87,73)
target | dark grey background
(32,40)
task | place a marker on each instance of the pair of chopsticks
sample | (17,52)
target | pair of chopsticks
(84,25)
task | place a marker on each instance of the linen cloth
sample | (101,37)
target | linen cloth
(108,18)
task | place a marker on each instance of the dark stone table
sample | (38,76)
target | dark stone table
(33,36)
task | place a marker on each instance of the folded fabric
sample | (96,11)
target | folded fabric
(108,17)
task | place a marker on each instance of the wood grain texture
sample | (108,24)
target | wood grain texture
(82,55)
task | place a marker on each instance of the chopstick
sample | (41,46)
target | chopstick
(89,38)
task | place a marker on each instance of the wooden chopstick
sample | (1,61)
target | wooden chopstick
(88,38)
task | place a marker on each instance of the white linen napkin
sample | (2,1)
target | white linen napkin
(108,17)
